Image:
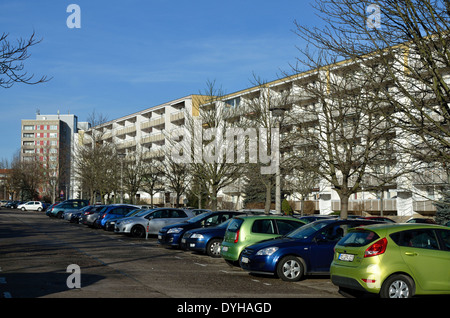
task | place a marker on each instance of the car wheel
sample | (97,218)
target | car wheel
(213,247)
(137,231)
(397,286)
(290,269)
(39,209)
(23,209)
(59,215)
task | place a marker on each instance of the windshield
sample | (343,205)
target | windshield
(143,213)
(199,217)
(307,230)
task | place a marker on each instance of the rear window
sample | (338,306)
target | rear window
(234,225)
(358,238)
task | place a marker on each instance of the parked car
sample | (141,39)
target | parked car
(58,210)
(307,250)
(31,206)
(205,240)
(199,211)
(171,235)
(154,220)
(90,214)
(13,204)
(113,211)
(380,218)
(111,223)
(247,230)
(394,260)
(68,214)
(421,220)
(312,218)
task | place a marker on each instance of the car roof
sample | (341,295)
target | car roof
(266,216)
(395,227)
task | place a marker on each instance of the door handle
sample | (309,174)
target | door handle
(411,254)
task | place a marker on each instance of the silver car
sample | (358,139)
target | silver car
(153,220)
(91,215)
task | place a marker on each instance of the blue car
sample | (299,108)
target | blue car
(171,235)
(306,250)
(113,211)
(205,240)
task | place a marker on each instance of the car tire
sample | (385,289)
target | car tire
(23,209)
(213,248)
(137,231)
(39,209)
(290,269)
(397,286)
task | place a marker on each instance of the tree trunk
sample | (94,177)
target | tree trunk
(268,199)
(344,205)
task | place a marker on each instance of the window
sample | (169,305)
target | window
(53,127)
(286,226)
(28,127)
(420,238)
(445,237)
(28,135)
(359,238)
(177,214)
(263,226)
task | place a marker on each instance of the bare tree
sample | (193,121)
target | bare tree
(205,145)
(344,123)
(12,56)
(97,165)
(406,42)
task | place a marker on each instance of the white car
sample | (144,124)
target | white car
(31,206)
(151,221)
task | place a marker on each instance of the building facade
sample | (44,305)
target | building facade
(48,141)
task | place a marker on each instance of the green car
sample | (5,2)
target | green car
(246,230)
(393,260)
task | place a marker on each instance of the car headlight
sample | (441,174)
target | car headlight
(124,222)
(174,230)
(197,236)
(267,251)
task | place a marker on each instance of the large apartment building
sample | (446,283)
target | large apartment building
(49,140)
(300,97)
(146,131)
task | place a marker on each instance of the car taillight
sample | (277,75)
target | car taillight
(377,248)
(236,238)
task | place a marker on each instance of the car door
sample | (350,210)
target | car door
(427,258)
(322,247)
(158,219)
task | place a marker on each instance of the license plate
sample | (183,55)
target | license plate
(225,248)
(159,237)
(346,257)
(244,260)
(192,245)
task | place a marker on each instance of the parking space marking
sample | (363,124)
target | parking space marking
(204,265)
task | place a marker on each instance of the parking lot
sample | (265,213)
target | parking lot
(37,250)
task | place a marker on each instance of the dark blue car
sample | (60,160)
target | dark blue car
(171,235)
(306,250)
(205,240)
(114,211)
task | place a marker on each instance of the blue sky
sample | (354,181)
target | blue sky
(134,54)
